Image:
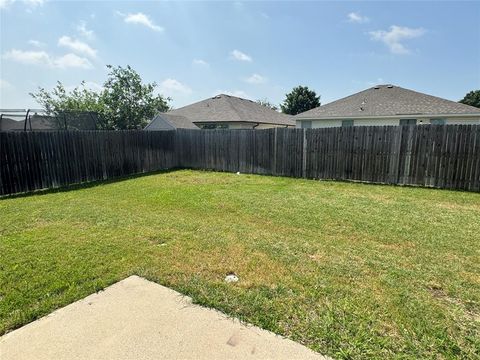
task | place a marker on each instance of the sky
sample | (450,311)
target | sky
(251,49)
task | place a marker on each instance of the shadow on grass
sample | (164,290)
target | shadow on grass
(96,183)
(84,185)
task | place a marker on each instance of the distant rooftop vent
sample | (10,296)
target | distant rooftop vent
(377,87)
(389,86)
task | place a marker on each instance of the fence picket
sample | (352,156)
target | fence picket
(427,155)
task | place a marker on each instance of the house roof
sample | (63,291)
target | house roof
(388,100)
(14,122)
(174,121)
(36,122)
(226,108)
(10,124)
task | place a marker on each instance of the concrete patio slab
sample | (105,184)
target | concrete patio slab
(139,319)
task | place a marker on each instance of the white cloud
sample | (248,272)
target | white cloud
(43,58)
(237,93)
(72,61)
(354,17)
(140,19)
(256,79)
(240,56)
(394,37)
(77,46)
(36,43)
(200,62)
(83,31)
(169,86)
(28,57)
(30,3)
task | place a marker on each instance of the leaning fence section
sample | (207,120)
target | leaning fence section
(430,155)
(42,160)
(438,156)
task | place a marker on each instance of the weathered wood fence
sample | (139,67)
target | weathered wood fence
(435,156)
(428,155)
(42,160)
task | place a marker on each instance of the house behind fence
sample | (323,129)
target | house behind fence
(230,112)
(389,105)
(40,120)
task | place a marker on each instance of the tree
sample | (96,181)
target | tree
(125,102)
(71,106)
(129,103)
(79,99)
(472,98)
(300,99)
(268,104)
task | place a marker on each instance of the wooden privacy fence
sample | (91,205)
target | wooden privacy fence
(42,160)
(427,155)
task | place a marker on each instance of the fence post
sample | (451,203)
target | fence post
(395,155)
(274,170)
(304,154)
(447,158)
(407,176)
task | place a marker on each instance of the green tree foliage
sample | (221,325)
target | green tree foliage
(300,99)
(59,99)
(267,103)
(472,98)
(129,103)
(125,102)
(62,105)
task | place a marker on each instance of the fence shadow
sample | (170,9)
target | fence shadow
(85,185)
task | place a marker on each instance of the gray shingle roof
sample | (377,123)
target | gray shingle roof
(10,124)
(37,122)
(164,121)
(388,100)
(226,108)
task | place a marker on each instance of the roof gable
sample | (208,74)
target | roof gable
(388,100)
(164,120)
(226,108)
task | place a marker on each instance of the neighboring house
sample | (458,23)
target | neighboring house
(388,105)
(35,122)
(165,121)
(7,124)
(230,112)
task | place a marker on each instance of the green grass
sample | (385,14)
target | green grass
(350,270)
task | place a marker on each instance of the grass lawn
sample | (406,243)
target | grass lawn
(350,270)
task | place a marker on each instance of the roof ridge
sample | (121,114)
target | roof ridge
(389,100)
(439,98)
(259,106)
(232,106)
(335,101)
(229,108)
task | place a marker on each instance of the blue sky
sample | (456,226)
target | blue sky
(194,50)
